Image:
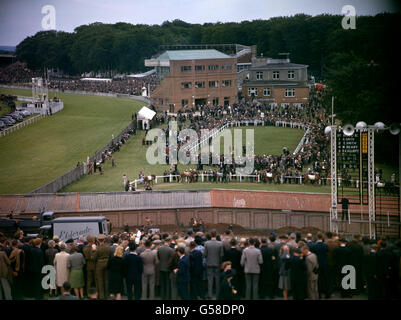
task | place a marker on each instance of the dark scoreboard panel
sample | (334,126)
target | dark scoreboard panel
(349,164)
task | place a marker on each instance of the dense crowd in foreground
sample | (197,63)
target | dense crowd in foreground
(197,265)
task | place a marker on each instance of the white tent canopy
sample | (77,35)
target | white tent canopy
(146,114)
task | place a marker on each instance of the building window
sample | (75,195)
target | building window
(199,84)
(259,75)
(213,67)
(266,92)
(291,74)
(186,85)
(290,92)
(161,101)
(199,68)
(184,102)
(226,67)
(166,102)
(226,83)
(226,101)
(213,84)
(276,74)
(215,101)
(186,68)
(253,91)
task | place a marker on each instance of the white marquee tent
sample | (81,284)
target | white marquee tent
(145,115)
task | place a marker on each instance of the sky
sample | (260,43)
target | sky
(22,18)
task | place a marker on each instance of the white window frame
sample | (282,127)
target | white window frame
(288,94)
(197,84)
(216,84)
(291,72)
(252,90)
(264,92)
(184,83)
(259,75)
(276,73)
(224,85)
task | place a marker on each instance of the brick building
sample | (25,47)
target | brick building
(193,77)
(276,81)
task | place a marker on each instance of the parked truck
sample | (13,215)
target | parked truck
(9,226)
(73,227)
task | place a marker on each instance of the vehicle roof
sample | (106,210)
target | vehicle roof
(79,219)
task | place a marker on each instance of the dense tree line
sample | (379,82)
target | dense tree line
(360,66)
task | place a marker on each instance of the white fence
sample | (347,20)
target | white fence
(214,132)
(21,125)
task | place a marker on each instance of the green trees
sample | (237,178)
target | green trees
(360,66)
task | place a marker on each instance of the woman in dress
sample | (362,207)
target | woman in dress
(115,267)
(61,266)
(284,280)
(76,262)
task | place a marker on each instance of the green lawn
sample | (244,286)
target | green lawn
(132,159)
(39,153)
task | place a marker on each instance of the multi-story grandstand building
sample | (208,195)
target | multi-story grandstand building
(194,77)
(276,81)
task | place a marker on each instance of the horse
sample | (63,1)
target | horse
(267,176)
(189,175)
(149,179)
(311,177)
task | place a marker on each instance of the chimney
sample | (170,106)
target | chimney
(254,51)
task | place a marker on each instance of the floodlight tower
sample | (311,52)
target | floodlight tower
(349,130)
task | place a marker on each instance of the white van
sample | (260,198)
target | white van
(73,227)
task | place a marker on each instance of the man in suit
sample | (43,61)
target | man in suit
(102,255)
(387,267)
(370,263)
(298,275)
(164,253)
(66,292)
(36,263)
(183,275)
(234,255)
(89,254)
(214,254)
(150,260)
(196,272)
(312,267)
(342,256)
(133,268)
(251,260)
(266,274)
(357,260)
(331,270)
(321,249)
(344,205)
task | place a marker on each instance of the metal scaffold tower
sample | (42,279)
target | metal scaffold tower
(333,176)
(371,182)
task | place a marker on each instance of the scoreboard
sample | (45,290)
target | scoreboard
(349,164)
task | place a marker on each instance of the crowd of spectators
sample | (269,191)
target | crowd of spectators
(18,73)
(312,158)
(131,86)
(149,264)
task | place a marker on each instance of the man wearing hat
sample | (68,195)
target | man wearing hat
(102,255)
(89,254)
(227,291)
